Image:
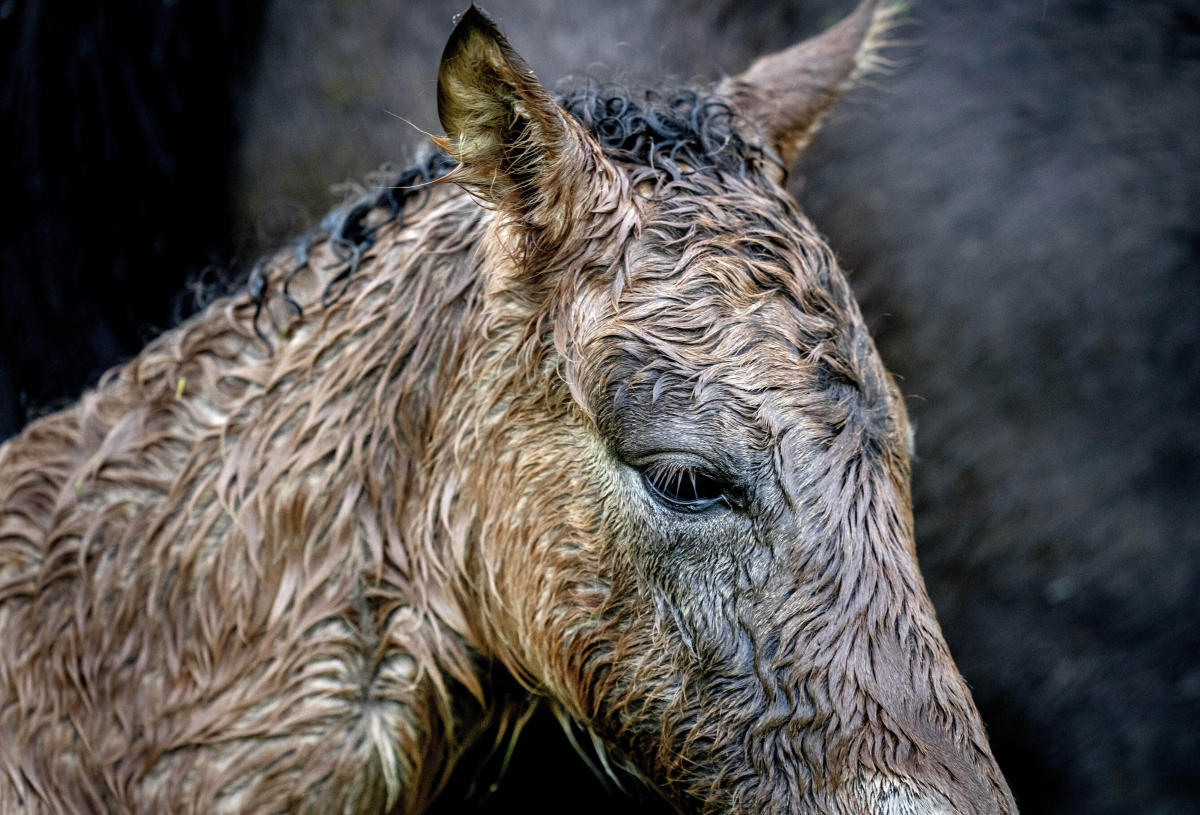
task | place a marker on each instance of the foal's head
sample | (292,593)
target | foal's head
(692,500)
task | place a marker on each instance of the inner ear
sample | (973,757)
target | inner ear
(501,124)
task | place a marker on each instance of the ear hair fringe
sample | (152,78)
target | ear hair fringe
(870,59)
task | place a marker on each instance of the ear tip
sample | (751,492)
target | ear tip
(473,20)
(473,28)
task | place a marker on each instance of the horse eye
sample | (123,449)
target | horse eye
(682,487)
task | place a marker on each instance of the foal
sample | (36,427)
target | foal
(598,413)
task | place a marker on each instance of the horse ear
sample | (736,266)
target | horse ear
(787,92)
(504,128)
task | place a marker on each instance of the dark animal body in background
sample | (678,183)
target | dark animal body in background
(118,132)
(1017,211)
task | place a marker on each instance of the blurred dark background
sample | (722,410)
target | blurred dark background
(1018,204)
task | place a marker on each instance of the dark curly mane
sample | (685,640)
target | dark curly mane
(666,134)
(670,132)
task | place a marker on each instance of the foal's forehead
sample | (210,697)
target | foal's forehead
(732,322)
(743,258)
(731,307)
(744,217)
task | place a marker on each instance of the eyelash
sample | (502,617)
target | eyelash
(684,488)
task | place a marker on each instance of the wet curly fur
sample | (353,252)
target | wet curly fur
(275,574)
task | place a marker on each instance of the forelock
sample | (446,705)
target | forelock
(668,132)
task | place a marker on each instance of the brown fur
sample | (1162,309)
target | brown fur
(241,580)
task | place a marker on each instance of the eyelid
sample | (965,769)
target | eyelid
(680,458)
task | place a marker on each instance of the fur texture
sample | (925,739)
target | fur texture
(248,576)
